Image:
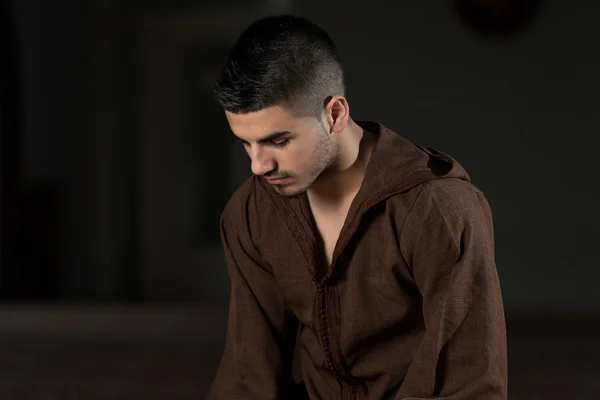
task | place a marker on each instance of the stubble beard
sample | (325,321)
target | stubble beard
(324,156)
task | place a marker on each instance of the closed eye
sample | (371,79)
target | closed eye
(280,143)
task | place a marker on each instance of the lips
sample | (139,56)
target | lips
(275,181)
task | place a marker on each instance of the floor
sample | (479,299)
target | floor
(151,353)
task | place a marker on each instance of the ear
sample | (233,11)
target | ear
(337,113)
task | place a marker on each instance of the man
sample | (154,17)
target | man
(373,254)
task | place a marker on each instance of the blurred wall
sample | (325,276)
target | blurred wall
(118,116)
(119,122)
(55,61)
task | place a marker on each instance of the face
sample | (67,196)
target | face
(289,152)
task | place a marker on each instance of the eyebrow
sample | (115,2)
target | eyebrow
(268,138)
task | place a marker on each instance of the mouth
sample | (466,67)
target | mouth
(277,181)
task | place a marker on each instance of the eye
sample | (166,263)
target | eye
(281,143)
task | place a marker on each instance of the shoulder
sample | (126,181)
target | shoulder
(436,197)
(242,211)
(453,196)
(239,205)
(447,205)
(447,216)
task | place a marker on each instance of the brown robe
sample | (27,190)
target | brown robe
(410,308)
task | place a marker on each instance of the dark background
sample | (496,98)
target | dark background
(116,164)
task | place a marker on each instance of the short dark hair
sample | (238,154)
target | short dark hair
(281,60)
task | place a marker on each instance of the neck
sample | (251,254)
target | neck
(341,181)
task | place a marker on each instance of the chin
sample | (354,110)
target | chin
(291,191)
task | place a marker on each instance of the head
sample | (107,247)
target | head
(282,90)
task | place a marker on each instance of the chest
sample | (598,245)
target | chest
(328,225)
(366,270)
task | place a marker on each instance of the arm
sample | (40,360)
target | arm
(448,242)
(261,332)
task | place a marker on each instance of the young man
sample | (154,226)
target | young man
(375,253)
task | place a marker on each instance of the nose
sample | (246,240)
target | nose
(261,162)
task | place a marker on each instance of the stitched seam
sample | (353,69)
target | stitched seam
(300,234)
(337,315)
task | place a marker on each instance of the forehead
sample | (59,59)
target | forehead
(255,125)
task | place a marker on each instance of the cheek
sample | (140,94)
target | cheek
(298,158)
(294,160)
